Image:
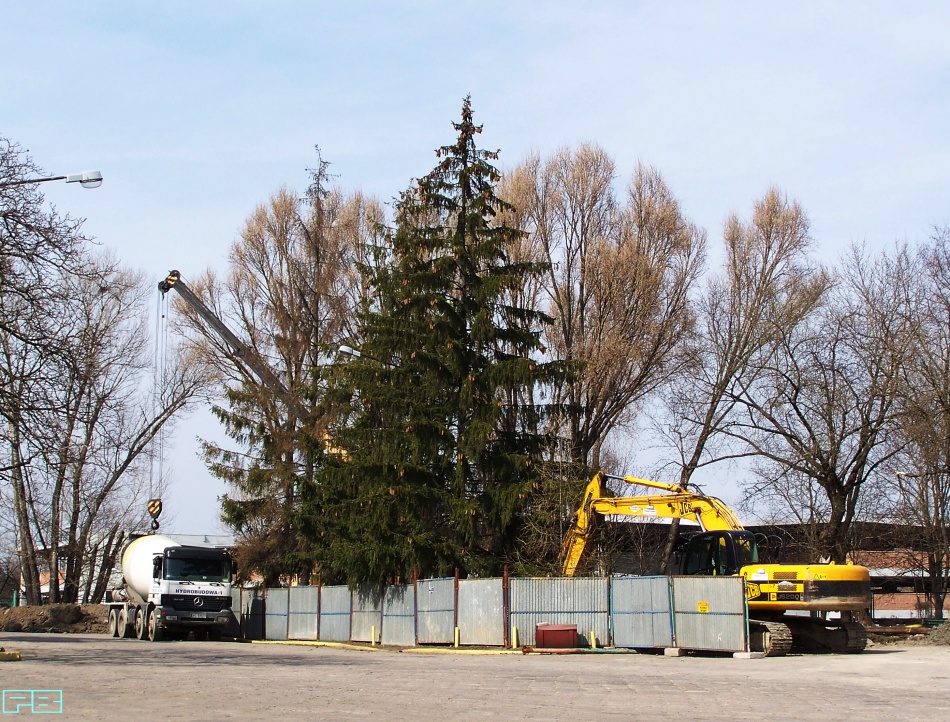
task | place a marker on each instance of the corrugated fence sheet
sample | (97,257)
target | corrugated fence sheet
(335,607)
(252,613)
(706,612)
(481,612)
(399,615)
(367,614)
(234,626)
(710,613)
(435,611)
(641,613)
(275,613)
(579,601)
(304,613)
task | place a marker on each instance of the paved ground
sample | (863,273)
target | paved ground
(116,679)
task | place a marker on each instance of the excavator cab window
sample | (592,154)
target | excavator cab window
(747,552)
(701,553)
(712,554)
(718,553)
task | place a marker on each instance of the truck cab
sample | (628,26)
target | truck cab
(170,590)
(191,588)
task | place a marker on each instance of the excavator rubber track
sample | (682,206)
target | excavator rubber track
(825,635)
(772,638)
(857,637)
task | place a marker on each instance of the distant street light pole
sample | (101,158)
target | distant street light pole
(87,179)
(350,351)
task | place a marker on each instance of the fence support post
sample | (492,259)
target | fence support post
(319,601)
(455,606)
(506,611)
(415,607)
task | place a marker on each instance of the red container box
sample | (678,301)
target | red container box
(555,636)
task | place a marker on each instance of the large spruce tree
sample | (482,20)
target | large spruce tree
(441,445)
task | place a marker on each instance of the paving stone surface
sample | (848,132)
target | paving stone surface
(116,679)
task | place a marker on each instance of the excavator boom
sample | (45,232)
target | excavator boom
(708,511)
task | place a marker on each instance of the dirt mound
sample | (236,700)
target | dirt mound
(58,618)
(940,635)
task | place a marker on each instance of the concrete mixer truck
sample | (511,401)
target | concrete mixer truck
(169,590)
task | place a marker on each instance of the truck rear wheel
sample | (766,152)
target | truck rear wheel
(141,627)
(125,624)
(156,633)
(113,622)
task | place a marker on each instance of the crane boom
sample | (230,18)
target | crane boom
(246,355)
(239,349)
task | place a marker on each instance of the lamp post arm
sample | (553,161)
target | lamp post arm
(87,179)
(6,184)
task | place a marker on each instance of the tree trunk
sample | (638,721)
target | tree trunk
(26,549)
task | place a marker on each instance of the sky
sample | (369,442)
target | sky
(195,113)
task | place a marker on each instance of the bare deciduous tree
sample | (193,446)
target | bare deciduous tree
(766,287)
(37,246)
(291,293)
(617,287)
(819,409)
(921,483)
(78,436)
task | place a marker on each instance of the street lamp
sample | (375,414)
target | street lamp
(87,179)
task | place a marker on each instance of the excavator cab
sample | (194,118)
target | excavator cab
(717,553)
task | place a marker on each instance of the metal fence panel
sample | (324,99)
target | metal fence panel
(304,612)
(580,601)
(234,626)
(481,612)
(335,607)
(640,612)
(399,615)
(252,613)
(435,611)
(710,613)
(275,613)
(367,613)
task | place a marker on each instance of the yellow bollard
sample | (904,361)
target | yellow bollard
(514,637)
(456,637)
(372,641)
(593,640)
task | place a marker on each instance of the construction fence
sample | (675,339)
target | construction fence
(700,613)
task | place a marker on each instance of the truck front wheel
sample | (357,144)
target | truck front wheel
(155,632)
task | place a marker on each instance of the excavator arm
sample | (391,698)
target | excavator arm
(724,548)
(598,501)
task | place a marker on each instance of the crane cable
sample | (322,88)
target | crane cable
(159,365)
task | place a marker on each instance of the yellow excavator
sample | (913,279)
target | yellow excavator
(724,547)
